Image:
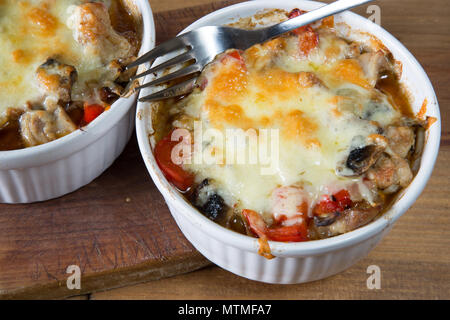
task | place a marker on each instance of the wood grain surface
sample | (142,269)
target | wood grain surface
(120,232)
(414,257)
(117,229)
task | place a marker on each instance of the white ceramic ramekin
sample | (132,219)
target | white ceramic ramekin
(64,165)
(304,261)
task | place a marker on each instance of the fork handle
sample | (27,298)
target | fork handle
(311,16)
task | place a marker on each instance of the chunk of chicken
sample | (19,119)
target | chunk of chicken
(373,63)
(390,172)
(41,126)
(353,50)
(359,215)
(92,28)
(55,79)
(401,140)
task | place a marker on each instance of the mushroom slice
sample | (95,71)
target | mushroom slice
(360,160)
(326,219)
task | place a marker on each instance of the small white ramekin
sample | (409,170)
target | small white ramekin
(59,167)
(304,261)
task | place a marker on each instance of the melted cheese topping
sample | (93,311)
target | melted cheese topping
(322,106)
(30,32)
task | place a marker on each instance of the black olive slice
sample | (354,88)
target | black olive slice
(214,207)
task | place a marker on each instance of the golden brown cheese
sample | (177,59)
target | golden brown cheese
(322,105)
(31,31)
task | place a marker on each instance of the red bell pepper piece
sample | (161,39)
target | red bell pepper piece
(338,202)
(173,172)
(91,112)
(343,198)
(307,37)
(293,233)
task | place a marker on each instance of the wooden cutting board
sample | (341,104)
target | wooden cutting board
(118,229)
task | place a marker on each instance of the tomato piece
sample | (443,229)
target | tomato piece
(337,203)
(295,13)
(173,172)
(307,37)
(91,112)
(293,233)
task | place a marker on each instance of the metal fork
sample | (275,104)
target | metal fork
(205,43)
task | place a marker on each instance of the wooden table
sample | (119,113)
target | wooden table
(415,257)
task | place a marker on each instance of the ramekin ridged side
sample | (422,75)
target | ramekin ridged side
(62,166)
(303,261)
(282,270)
(62,176)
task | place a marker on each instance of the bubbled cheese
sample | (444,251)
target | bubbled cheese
(30,32)
(319,106)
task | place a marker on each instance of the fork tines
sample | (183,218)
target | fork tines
(175,44)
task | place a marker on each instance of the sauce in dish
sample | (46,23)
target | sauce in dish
(346,139)
(61,65)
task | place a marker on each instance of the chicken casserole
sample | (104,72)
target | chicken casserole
(348,139)
(61,65)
